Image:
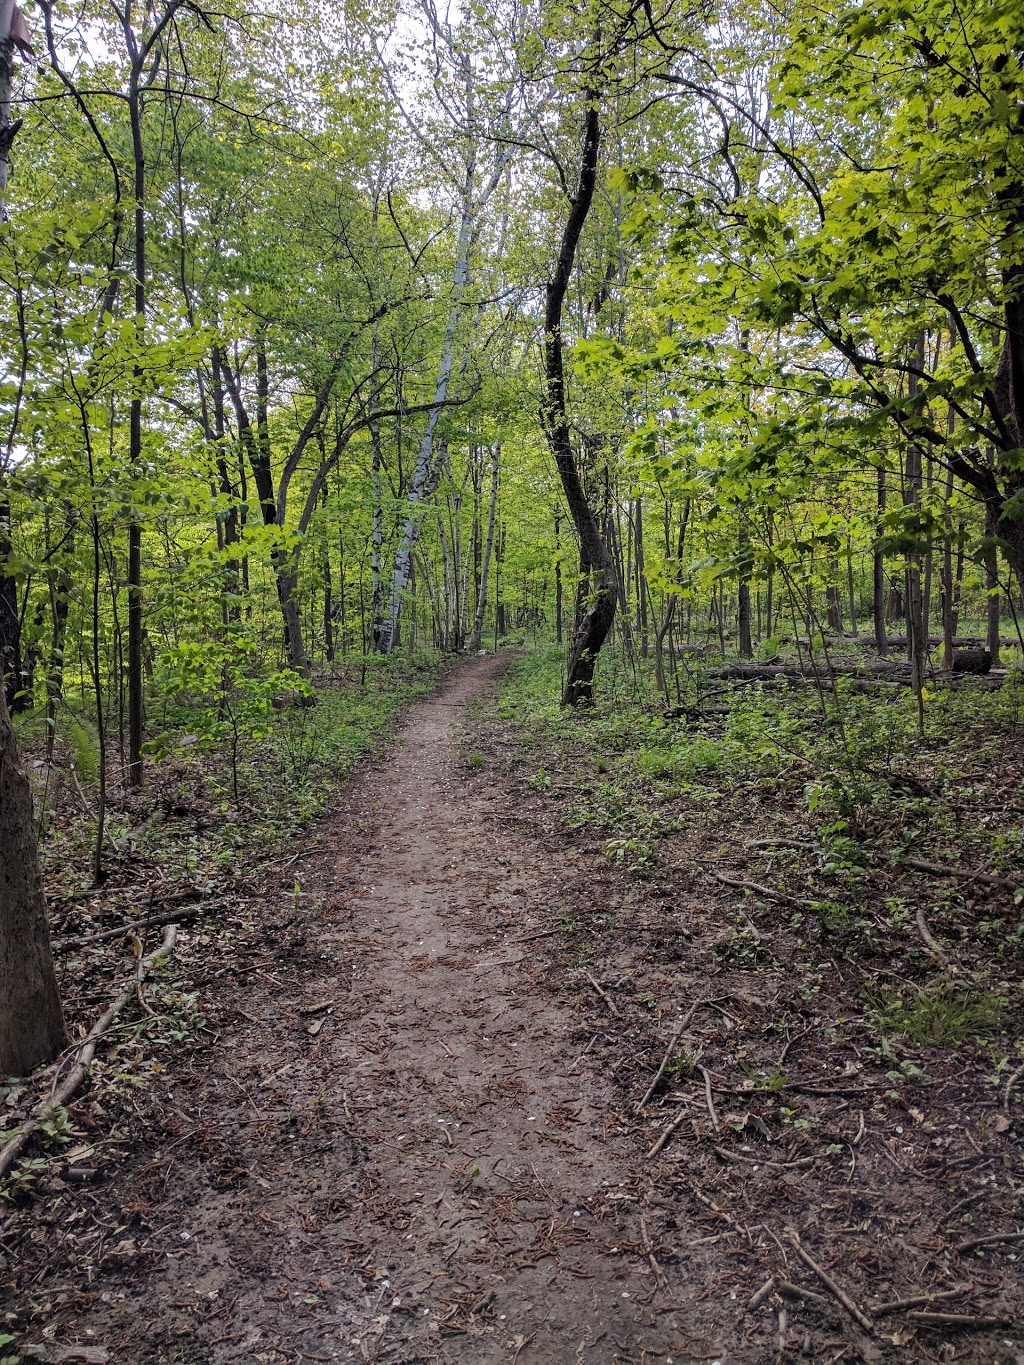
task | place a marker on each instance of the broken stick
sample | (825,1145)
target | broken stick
(857,1314)
(603,994)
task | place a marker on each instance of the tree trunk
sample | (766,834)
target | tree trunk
(10,617)
(878,595)
(485,565)
(992,585)
(834,609)
(917,632)
(31,1024)
(743,595)
(558,577)
(642,591)
(595,623)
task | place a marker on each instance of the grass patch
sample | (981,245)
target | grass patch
(946,1012)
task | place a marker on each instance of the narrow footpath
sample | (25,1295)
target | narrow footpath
(401,1150)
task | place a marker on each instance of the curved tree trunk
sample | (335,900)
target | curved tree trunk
(595,621)
(31,1023)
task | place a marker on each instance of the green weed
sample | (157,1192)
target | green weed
(946,1012)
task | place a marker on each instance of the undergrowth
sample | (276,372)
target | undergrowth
(217,790)
(818,798)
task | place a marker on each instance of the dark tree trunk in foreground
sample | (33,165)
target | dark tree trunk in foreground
(595,620)
(31,1023)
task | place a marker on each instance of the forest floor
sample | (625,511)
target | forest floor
(416,1129)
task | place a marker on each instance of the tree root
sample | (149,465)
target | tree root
(86,1050)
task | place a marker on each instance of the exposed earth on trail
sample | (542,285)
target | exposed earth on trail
(418,1136)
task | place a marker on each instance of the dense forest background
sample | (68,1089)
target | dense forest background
(278,341)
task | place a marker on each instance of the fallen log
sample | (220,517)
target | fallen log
(870,674)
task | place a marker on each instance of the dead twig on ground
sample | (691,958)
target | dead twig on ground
(797,1291)
(659,1274)
(710,1102)
(994,1240)
(543,933)
(768,891)
(856,1313)
(667,1133)
(784,843)
(932,944)
(150,921)
(673,1043)
(881,1310)
(1011,1082)
(604,995)
(86,1049)
(763,1160)
(964,1320)
(961,873)
(756,1300)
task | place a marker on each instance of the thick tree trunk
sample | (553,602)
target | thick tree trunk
(287,593)
(10,617)
(31,1024)
(599,608)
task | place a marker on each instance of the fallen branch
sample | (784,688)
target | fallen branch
(964,1320)
(763,890)
(86,1050)
(994,1240)
(856,1313)
(797,1291)
(933,946)
(673,1043)
(785,843)
(756,1300)
(150,921)
(917,1300)
(677,1122)
(763,1161)
(943,870)
(1011,1082)
(710,1102)
(603,994)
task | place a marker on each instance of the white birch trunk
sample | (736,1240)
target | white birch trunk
(424,468)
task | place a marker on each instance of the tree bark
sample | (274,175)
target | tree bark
(31,1024)
(481,603)
(743,590)
(599,609)
(878,574)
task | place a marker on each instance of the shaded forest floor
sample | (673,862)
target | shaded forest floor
(396,1105)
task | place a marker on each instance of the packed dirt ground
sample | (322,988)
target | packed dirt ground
(470,1090)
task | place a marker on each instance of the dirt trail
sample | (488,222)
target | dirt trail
(430,1172)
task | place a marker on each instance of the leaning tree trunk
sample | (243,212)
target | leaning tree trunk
(31,1023)
(595,621)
